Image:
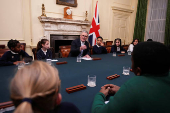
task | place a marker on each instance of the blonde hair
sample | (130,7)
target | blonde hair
(39,82)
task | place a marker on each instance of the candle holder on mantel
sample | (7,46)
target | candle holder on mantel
(43,11)
(86,16)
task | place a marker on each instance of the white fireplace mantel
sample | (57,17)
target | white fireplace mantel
(61,26)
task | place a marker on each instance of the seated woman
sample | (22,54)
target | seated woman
(134,43)
(148,91)
(35,89)
(43,51)
(117,46)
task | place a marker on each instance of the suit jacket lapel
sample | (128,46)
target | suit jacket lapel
(79,43)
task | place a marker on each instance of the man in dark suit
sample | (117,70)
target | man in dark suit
(80,47)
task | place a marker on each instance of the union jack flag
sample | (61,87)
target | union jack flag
(95,27)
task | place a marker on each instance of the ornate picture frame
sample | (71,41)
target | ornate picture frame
(72,3)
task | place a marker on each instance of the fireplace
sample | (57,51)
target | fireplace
(60,31)
(61,40)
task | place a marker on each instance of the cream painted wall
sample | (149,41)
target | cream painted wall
(19,18)
(15,22)
(107,21)
(57,11)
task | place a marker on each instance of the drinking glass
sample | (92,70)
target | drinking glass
(48,61)
(114,53)
(126,70)
(79,59)
(21,65)
(129,52)
(91,80)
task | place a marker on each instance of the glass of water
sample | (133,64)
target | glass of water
(126,70)
(48,61)
(78,58)
(114,53)
(129,52)
(21,65)
(91,80)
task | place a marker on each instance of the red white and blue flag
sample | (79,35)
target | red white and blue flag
(95,27)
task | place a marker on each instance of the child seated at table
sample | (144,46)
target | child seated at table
(148,91)
(43,51)
(35,89)
(134,43)
(117,46)
(99,47)
(14,56)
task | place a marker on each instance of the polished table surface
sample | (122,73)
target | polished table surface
(74,73)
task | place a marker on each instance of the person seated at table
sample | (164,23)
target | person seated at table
(43,51)
(15,55)
(99,47)
(117,46)
(80,47)
(134,43)
(36,89)
(148,91)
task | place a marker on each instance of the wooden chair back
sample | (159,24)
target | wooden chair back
(109,43)
(65,50)
(125,47)
(2,46)
(108,48)
(2,51)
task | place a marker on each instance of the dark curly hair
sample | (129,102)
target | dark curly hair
(12,43)
(100,37)
(151,57)
(134,40)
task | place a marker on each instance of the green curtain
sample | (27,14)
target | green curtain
(140,22)
(167,26)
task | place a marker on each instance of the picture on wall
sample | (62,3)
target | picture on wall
(72,3)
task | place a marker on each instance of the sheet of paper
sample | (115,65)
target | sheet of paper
(84,58)
(54,60)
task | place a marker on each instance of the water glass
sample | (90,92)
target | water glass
(114,53)
(126,70)
(91,81)
(21,65)
(79,59)
(48,61)
(129,52)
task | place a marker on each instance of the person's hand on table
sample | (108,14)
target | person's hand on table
(87,56)
(17,62)
(105,90)
(113,88)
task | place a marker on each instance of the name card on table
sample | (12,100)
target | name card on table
(59,63)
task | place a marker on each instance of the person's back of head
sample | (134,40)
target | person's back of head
(149,40)
(12,43)
(151,57)
(35,88)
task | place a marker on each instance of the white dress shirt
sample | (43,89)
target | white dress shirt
(130,48)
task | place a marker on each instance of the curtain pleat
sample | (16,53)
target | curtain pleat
(140,22)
